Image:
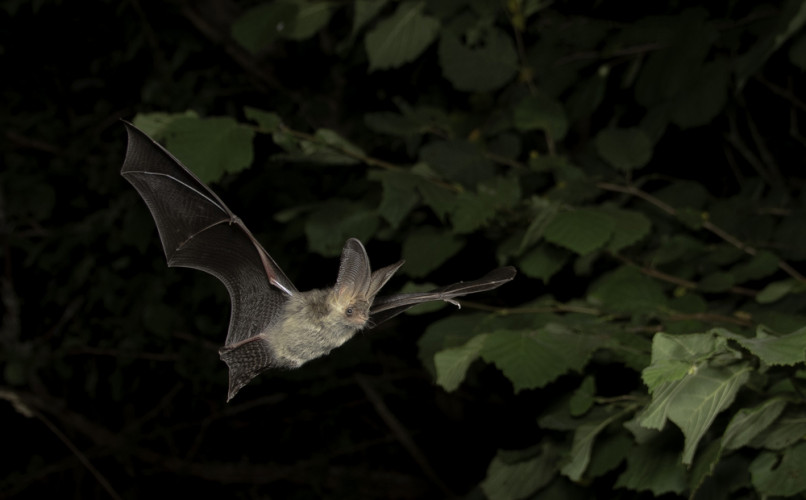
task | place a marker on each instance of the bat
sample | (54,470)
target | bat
(272,324)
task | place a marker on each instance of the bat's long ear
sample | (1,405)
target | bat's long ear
(354,271)
(381,276)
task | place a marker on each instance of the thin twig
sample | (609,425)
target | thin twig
(402,435)
(81,457)
(706,224)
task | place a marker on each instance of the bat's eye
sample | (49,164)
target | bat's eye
(349,311)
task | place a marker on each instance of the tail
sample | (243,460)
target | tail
(246,360)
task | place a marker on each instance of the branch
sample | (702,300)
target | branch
(721,233)
(402,435)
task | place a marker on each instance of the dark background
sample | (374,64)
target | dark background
(110,358)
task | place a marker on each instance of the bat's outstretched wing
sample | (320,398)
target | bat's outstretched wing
(384,308)
(198,231)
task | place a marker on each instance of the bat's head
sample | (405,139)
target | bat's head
(357,286)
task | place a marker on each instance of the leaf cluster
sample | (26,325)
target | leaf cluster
(642,173)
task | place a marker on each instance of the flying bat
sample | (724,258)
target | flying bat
(272,324)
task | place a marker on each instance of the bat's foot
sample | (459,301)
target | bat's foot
(454,302)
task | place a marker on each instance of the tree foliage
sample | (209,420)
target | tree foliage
(641,169)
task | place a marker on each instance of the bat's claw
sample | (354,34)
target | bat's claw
(454,302)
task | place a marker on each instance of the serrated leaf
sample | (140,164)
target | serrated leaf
(694,402)
(211,147)
(401,37)
(788,349)
(780,476)
(650,468)
(663,372)
(399,195)
(514,481)
(481,63)
(339,144)
(426,248)
(470,212)
(543,262)
(629,227)
(453,331)
(533,358)
(440,199)
(748,423)
(627,290)
(452,364)
(582,231)
(625,149)
(457,160)
(540,112)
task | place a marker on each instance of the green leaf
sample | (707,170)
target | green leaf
(440,199)
(399,194)
(582,230)
(472,211)
(453,331)
(401,37)
(427,248)
(543,262)
(694,402)
(651,468)
(780,476)
(582,399)
(776,291)
(457,160)
(625,149)
(310,18)
(788,429)
(544,211)
(627,290)
(364,12)
(629,227)
(748,423)
(480,61)
(761,265)
(267,121)
(609,453)
(339,144)
(787,349)
(334,222)
(584,437)
(452,364)
(211,147)
(704,98)
(257,28)
(540,112)
(533,358)
(514,481)
(664,371)
(393,124)
(716,282)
